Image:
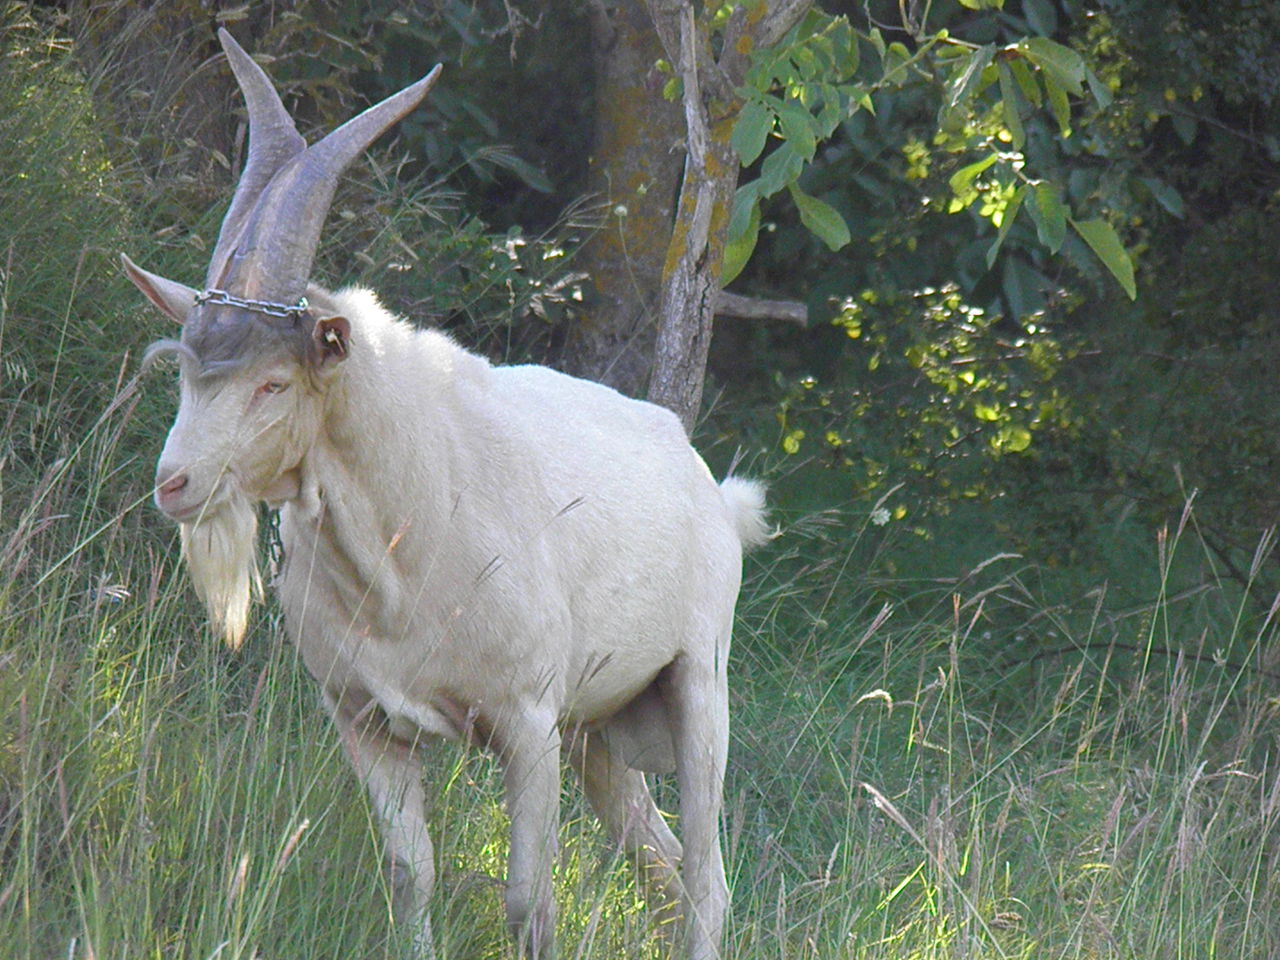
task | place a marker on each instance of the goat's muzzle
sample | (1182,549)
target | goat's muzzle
(170,495)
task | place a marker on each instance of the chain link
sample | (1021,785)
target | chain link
(266,307)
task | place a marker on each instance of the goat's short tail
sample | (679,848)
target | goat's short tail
(745,500)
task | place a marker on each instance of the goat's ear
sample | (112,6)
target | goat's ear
(173,298)
(330,341)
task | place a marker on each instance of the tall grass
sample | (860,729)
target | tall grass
(910,776)
(970,766)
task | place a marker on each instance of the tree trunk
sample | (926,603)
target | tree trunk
(635,169)
(691,272)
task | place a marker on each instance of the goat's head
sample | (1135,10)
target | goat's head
(254,357)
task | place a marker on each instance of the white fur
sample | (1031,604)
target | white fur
(507,554)
(219,551)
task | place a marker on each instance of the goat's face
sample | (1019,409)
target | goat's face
(253,394)
(243,428)
(238,435)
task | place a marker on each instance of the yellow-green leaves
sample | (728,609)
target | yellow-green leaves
(1007,216)
(1011,439)
(962,182)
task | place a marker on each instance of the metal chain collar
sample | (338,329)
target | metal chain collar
(275,545)
(266,307)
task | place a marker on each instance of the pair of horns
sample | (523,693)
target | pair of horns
(272,228)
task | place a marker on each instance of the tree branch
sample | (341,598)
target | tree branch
(754,308)
(781,17)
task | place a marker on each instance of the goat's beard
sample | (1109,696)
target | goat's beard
(221,552)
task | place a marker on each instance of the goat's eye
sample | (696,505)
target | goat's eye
(273,386)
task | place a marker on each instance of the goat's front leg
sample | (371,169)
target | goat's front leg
(390,770)
(531,773)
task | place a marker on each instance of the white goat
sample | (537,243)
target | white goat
(502,554)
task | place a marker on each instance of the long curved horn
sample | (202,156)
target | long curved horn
(273,258)
(273,141)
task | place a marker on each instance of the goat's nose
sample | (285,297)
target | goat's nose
(170,488)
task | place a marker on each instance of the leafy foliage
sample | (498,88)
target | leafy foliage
(973,391)
(800,92)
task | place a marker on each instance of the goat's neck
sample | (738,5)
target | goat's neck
(380,477)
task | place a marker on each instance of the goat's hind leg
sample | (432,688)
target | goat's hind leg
(698,698)
(621,799)
(391,771)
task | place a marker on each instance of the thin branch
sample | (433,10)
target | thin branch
(754,308)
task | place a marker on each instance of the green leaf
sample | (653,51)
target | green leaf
(1165,195)
(1101,92)
(1011,439)
(745,198)
(750,132)
(822,218)
(780,168)
(1027,81)
(831,112)
(1059,104)
(1050,215)
(1006,221)
(797,127)
(1009,100)
(1062,63)
(876,39)
(966,82)
(738,248)
(1105,243)
(1023,287)
(845,48)
(860,96)
(962,180)
(896,58)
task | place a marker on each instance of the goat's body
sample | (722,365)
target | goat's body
(510,554)
(493,538)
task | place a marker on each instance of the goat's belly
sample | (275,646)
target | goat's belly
(608,682)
